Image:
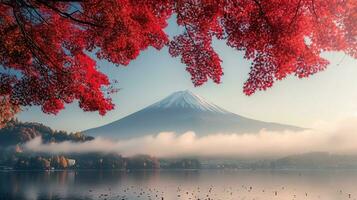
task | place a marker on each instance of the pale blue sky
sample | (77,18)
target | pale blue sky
(327,96)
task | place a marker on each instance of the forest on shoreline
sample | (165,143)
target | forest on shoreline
(13,156)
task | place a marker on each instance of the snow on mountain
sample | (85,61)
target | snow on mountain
(187,100)
(181,112)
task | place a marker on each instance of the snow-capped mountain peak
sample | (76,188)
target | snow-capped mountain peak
(181,112)
(187,100)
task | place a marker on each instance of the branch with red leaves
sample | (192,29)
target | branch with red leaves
(45,43)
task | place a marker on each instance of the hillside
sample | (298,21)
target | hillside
(16,132)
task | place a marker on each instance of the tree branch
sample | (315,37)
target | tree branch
(186,27)
(32,44)
(296,13)
(67,15)
(314,9)
(262,13)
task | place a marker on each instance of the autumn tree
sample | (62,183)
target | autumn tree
(59,162)
(7,110)
(44,43)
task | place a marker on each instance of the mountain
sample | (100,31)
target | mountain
(16,132)
(180,112)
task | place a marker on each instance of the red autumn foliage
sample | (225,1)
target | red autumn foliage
(7,110)
(43,43)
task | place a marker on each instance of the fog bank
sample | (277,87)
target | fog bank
(336,138)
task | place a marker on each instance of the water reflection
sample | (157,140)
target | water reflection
(190,185)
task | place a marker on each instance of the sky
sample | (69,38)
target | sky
(326,96)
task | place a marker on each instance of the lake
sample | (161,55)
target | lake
(185,185)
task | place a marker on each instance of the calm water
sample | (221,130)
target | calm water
(186,185)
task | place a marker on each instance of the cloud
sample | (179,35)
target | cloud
(337,138)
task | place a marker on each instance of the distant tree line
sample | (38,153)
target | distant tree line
(27,161)
(184,163)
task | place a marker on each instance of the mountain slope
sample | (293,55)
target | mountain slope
(180,112)
(16,132)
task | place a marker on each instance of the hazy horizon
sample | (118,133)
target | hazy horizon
(337,138)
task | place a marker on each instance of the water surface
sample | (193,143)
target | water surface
(185,185)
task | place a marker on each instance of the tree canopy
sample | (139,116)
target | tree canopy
(44,43)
